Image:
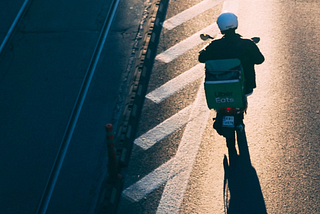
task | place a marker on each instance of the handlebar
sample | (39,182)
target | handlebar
(205,37)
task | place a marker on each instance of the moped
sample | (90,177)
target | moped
(229,119)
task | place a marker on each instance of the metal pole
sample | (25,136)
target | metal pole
(112,159)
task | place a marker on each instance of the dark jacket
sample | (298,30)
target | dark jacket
(233,46)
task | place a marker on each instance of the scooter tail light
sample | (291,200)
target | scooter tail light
(229,110)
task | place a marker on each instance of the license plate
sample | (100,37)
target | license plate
(228,121)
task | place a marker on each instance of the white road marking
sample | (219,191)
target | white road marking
(190,13)
(176,172)
(164,129)
(187,44)
(175,188)
(173,193)
(176,84)
(181,165)
(149,183)
(194,40)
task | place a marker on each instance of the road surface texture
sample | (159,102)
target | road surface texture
(178,165)
(63,70)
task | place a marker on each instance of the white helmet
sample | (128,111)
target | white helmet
(227,21)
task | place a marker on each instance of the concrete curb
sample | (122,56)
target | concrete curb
(126,132)
(142,70)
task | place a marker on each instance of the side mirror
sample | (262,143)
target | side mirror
(255,39)
(204,36)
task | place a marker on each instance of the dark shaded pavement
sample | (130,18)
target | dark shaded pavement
(41,72)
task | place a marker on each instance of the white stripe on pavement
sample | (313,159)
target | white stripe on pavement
(181,165)
(176,84)
(187,44)
(164,129)
(172,196)
(176,172)
(173,193)
(190,13)
(149,183)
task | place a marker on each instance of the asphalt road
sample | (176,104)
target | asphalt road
(178,166)
(9,11)
(42,70)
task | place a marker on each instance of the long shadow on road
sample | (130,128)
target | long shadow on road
(242,191)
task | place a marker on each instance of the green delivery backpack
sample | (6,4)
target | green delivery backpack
(224,84)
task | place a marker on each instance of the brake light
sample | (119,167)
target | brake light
(229,110)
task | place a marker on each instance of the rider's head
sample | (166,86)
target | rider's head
(227,22)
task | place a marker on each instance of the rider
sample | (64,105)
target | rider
(231,45)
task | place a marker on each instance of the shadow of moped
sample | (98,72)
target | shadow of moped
(242,191)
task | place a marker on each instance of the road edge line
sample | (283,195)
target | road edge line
(127,124)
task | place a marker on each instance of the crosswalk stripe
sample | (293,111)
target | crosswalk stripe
(176,84)
(187,44)
(173,193)
(149,183)
(164,129)
(181,165)
(190,13)
(176,172)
